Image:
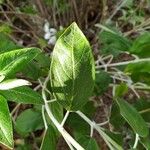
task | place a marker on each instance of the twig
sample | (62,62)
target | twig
(110,142)
(123,63)
(116,10)
(63,132)
(65,118)
(136,141)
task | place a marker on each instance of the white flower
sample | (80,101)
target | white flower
(52,31)
(47,36)
(52,40)
(50,34)
(46,27)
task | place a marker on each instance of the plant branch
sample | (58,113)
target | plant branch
(110,142)
(63,132)
(136,141)
(123,63)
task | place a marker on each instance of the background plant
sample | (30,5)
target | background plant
(119,38)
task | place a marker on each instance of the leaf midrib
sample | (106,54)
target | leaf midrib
(73,65)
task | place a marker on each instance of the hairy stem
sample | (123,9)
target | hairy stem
(123,63)
(110,142)
(60,128)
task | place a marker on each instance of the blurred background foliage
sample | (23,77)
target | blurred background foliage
(113,27)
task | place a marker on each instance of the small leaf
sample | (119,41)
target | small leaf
(49,140)
(134,119)
(5,43)
(13,83)
(139,72)
(78,125)
(89,109)
(22,95)
(6,131)
(141,46)
(102,80)
(115,115)
(88,143)
(113,43)
(57,110)
(13,61)
(138,67)
(146,142)
(143,107)
(29,121)
(118,138)
(72,69)
(121,90)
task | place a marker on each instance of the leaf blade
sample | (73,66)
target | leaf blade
(22,95)
(13,61)
(6,135)
(133,118)
(72,60)
(13,83)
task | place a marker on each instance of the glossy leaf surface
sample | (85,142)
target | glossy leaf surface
(13,61)
(6,131)
(13,83)
(22,95)
(72,69)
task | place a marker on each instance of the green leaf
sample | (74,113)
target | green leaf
(88,143)
(29,121)
(24,146)
(49,139)
(22,95)
(72,70)
(78,125)
(5,43)
(115,115)
(118,138)
(143,107)
(5,29)
(113,43)
(39,67)
(89,109)
(6,131)
(141,46)
(139,72)
(138,67)
(103,80)
(146,142)
(13,83)
(32,71)
(57,110)
(133,118)
(121,90)
(13,61)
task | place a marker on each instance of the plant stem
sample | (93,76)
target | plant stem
(144,111)
(63,132)
(116,10)
(136,141)
(65,118)
(44,119)
(110,142)
(124,63)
